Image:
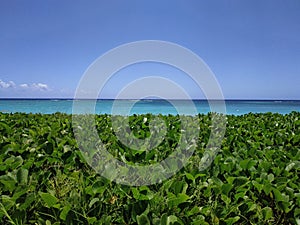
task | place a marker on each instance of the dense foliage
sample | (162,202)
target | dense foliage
(253,180)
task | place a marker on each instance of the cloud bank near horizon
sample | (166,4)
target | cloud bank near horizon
(9,89)
(24,86)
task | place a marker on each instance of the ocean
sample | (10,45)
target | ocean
(155,106)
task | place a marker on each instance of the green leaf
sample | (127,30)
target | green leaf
(230,180)
(163,220)
(142,193)
(258,186)
(280,197)
(267,188)
(143,220)
(267,213)
(177,186)
(226,188)
(64,213)
(174,200)
(91,220)
(239,195)
(7,201)
(30,198)
(252,206)
(18,192)
(93,201)
(247,163)
(97,188)
(170,220)
(49,199)
(9,182)
(189,176)
(5,127)
(292,165)
(22,176)
(232,220)
(270,177)
(14,162)
(193,211)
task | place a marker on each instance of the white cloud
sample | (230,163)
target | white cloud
(24,85)
(9,88)
(40,86)
(8,84)
(35,86)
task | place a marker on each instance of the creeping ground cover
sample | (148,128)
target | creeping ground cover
(254,179)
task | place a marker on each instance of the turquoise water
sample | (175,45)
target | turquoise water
(234,107)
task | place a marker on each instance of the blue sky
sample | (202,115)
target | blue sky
(253,47)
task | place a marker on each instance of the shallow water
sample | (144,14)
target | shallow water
(233,107)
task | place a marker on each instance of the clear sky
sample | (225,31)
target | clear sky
(252,46)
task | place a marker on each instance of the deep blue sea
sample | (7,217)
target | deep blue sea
(233,107)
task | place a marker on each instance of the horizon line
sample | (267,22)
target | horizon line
(176,99)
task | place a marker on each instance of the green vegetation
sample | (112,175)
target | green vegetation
(255,178)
